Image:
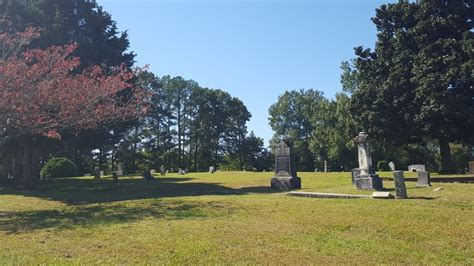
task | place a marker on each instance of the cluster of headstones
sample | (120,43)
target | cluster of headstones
(364,177)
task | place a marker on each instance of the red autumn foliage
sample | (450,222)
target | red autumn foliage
(41,95)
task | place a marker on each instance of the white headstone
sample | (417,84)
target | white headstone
(392,166)
(417,168)
(365,160)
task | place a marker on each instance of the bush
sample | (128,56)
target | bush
(383,166)
(59,167)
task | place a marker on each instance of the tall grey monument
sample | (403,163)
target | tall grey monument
(285,172)
(366,178)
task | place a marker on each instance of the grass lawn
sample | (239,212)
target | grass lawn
(232,218)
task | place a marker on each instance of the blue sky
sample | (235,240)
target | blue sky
(255,50)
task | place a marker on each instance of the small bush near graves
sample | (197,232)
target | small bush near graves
(383,166)
(59,167)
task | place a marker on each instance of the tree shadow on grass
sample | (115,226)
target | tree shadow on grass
(85,191)
(89,216)
(91,203)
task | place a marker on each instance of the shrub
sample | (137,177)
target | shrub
(383,166)
(59,167)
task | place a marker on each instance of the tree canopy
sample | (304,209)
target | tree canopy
(41,96)
(417,84)
(83,22)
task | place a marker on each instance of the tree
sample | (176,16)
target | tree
(74,21)
(218,126)
(291,118)
(332,135)
(186,126)
(40,96)
(417,84)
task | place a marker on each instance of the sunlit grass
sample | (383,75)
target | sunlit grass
(232,217)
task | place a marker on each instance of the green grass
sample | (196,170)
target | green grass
(232,218)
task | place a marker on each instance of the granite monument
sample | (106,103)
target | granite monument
(400,187)
(285,172)
(367,179)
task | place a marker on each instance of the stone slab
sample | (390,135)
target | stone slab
(417,168)
(382,195)
(368,182)
(471,167)
(400,187)
(326,195)
(285,183)
(424,179)
(355,172)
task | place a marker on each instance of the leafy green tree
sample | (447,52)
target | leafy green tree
(331,139)
(248,154)
(417,84)
(291,118)
(186,127)
(73,21)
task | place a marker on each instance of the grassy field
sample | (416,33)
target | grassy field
(232,218)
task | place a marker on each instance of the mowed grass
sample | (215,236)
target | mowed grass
(232,218)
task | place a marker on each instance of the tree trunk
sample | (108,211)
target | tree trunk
(28,171)
(447,166)
(179,134)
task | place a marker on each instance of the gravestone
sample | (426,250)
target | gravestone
(97,173)
(147,175)
(325,166)
(102,173)
(400,187)
(153,171)
(119,170)
(382,195)
(285,172)
(181,171)
(367,179)
(417,168)
(162,170)
(471,167)
(115,177)
(211,169)
(424,179)
(392,166)
(355,172)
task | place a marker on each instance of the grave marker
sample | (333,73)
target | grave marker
(367,179)
(424,179)
(400,187)
(285,172)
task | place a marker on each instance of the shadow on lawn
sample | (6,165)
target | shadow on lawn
(85,198)
(88,216)
(86,191)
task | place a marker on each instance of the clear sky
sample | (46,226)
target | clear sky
(255,50)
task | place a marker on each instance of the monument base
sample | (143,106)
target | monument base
(286,183)
(369,182)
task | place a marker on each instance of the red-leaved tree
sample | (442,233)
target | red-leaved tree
(41,96)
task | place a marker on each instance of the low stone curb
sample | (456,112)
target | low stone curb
(327,195)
